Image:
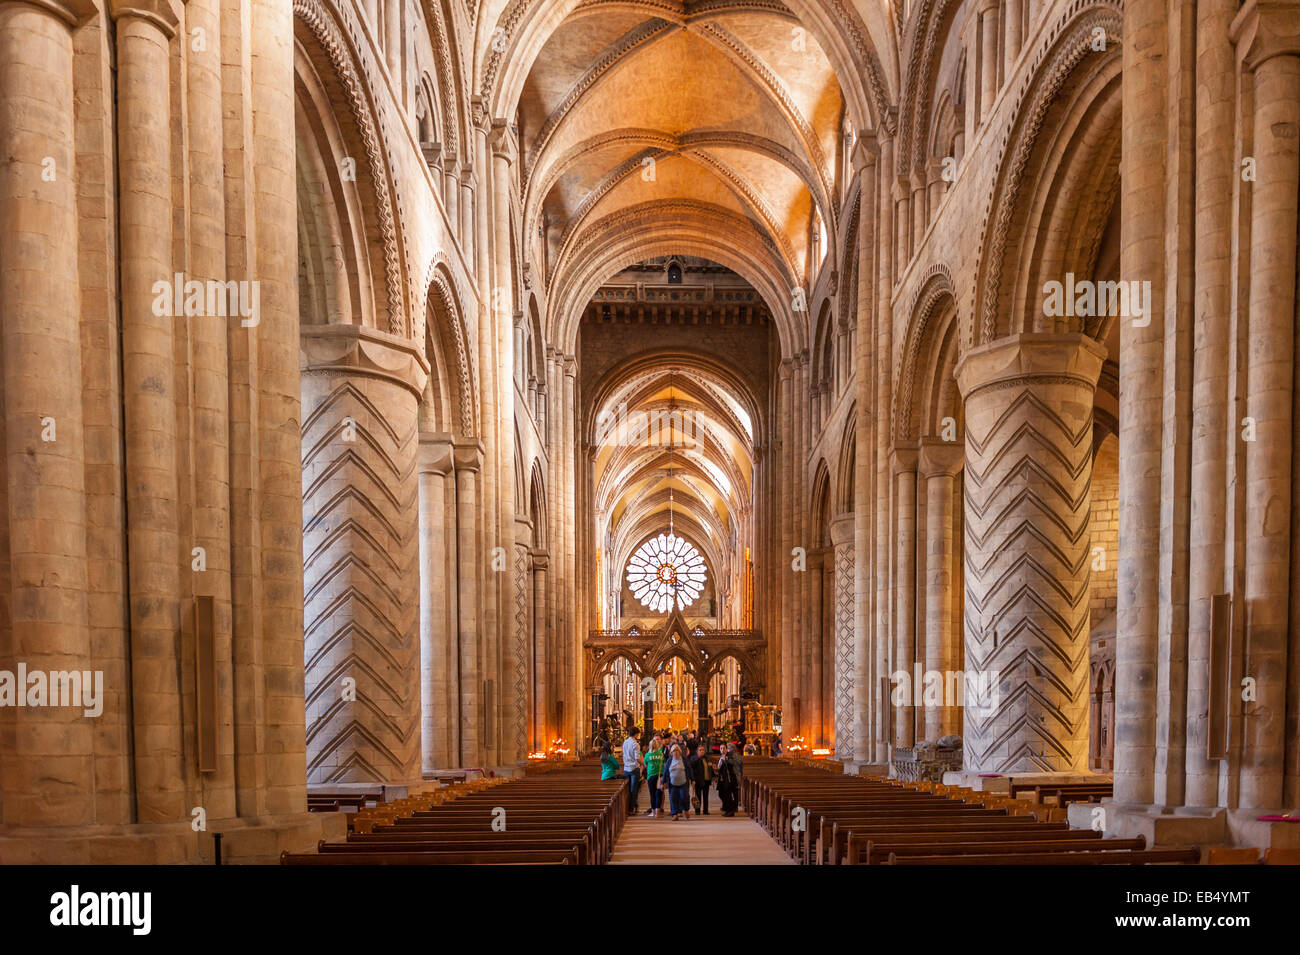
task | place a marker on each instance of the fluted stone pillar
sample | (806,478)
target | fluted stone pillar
(437,569)
(1274,55)
(846,647)
(939,464)
(904,470)
(1029,402)
(360,529)
(469,575)
(149,390)
(43,621)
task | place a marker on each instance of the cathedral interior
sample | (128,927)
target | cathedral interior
(401,391)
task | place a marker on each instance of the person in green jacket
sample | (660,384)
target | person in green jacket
(654,763)
(609,766)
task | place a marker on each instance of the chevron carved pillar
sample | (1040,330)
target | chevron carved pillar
(1029,403)
(360,554)
(845,670)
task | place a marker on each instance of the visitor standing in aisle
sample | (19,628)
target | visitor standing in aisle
(632,767)
(654,763)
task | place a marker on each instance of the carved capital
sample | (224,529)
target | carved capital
(866,151)
(1264,29)
(1024,357)
(72,12)
(842,531)
(161,13)
(939,457)
(502,141)
(904,458)
(468,456)
(437,453)
(353,350)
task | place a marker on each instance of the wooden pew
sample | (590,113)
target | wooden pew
(1191,855)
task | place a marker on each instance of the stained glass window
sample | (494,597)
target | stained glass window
(665,566)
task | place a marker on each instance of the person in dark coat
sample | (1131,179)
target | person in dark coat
(702,776)
(729,780)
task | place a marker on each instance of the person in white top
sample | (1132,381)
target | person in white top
(632,767)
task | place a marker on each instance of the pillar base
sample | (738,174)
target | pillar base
(1159,825)
(254,840)
(856,768)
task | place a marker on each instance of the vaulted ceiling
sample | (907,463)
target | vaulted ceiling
(709,124)
(680,438)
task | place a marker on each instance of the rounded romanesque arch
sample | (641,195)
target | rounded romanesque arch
(1071,96)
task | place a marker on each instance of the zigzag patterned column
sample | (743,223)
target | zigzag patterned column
(845,636)
(1028,496)
(360,545)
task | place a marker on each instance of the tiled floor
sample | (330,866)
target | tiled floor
(700,840)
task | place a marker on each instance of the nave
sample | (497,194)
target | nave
(794,812)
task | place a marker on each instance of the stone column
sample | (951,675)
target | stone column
(570,639)
(810,660)
(1014,12)
(846,645)
(920,208)
(519,659)
(437,657)
(904,470)
(393,39)
(882,713)
(360,534)
(149,389)
(940,462)
(543,686)
(1029,405)
(1215,172)
(210,439)
(466,231)
(864,160)
(468,461)
(43,622)
(1273,34)
(988,17)
(451,196)
(504,153)
(1142,258)
(488,363)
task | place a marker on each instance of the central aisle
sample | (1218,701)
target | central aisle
(701,840)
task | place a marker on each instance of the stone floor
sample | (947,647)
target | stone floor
(700,840)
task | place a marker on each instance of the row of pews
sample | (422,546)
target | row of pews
(564,816)
(822,818)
